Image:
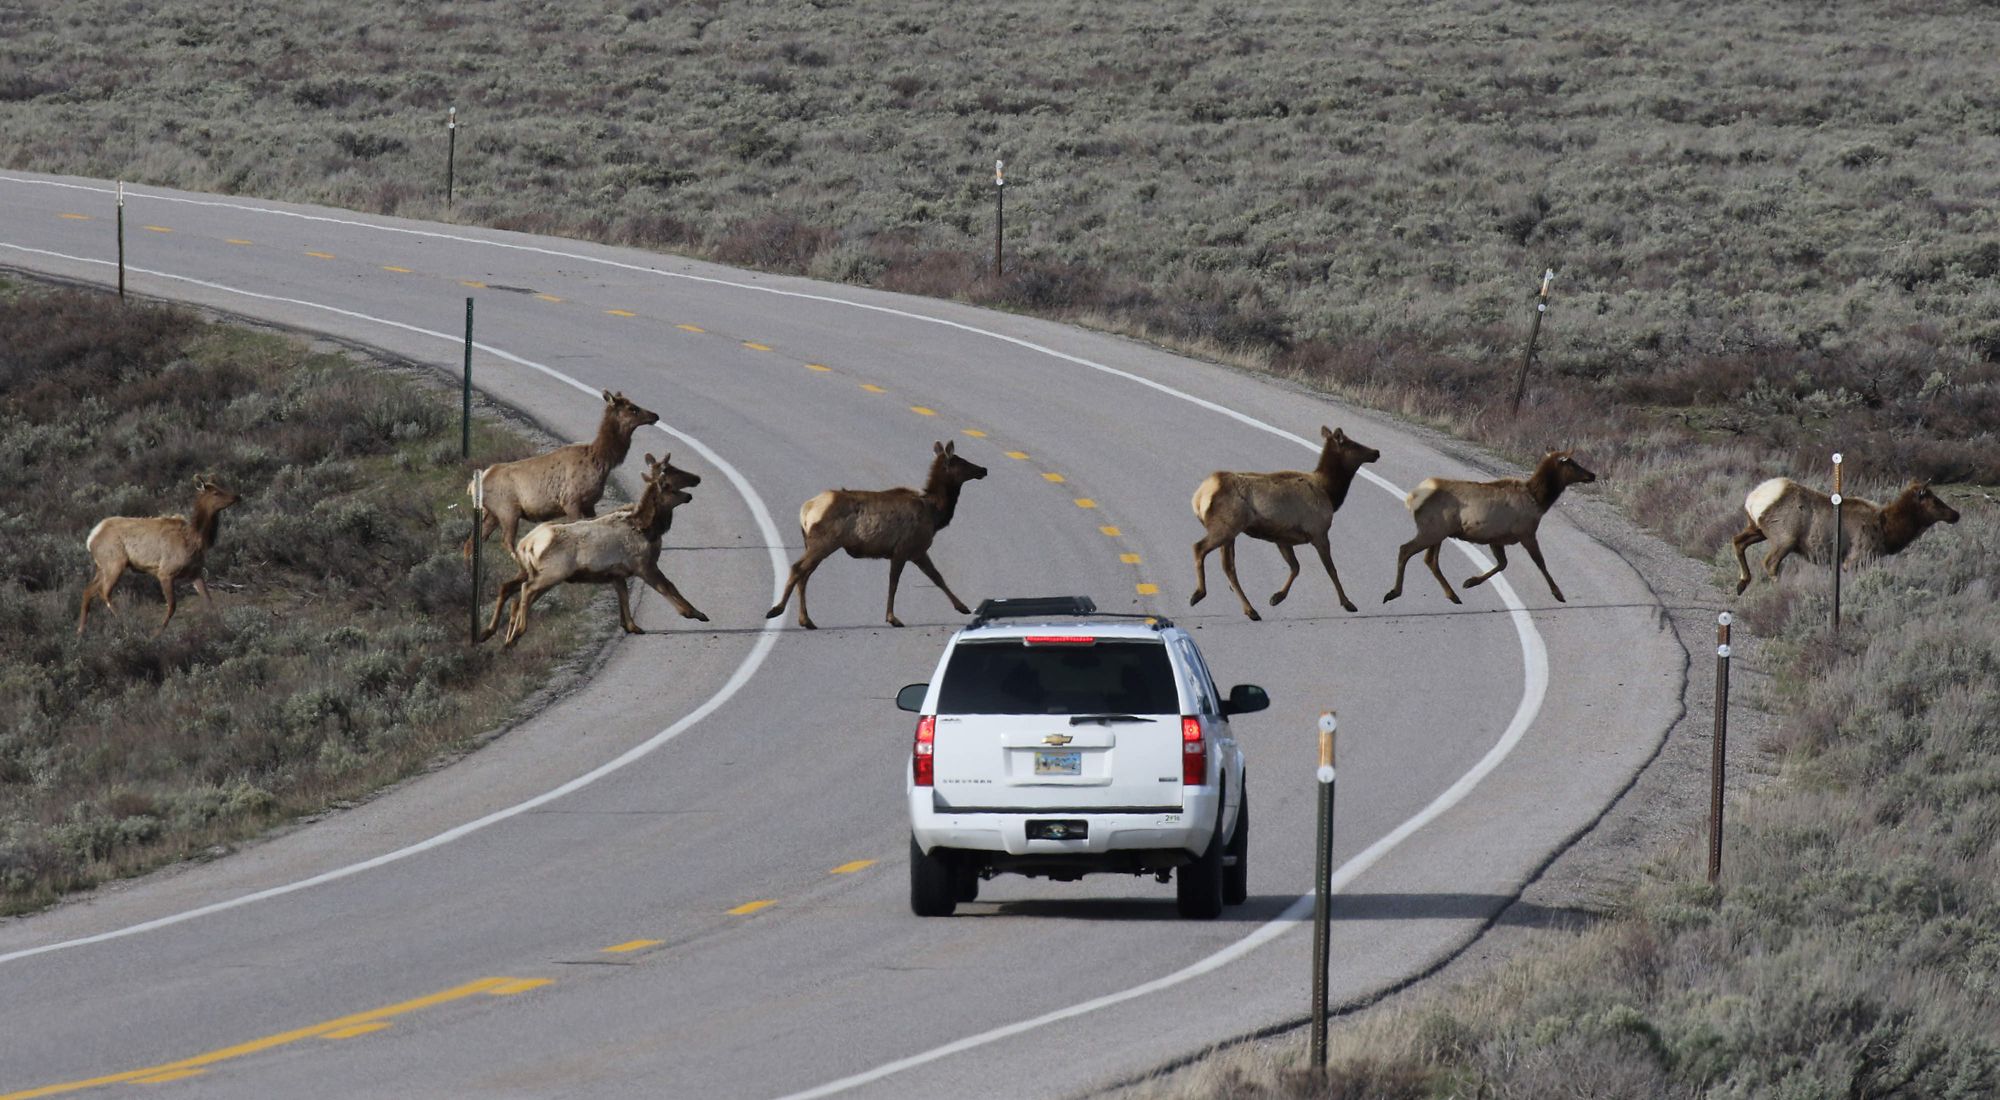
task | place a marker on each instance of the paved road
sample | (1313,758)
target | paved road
(689,879)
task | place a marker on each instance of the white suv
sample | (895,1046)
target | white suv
(1057,742)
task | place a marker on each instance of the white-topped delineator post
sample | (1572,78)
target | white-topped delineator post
(1837,541)
(999,211)
(1719,749)
(1323,884)
(121,240)
(450,153)
(1534,330)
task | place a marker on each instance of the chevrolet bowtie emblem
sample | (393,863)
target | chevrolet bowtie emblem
(1057,739)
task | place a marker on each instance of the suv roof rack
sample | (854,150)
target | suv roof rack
(1030,607)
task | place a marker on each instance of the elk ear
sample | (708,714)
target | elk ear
(608,398)
(937,448)
(651,461)
(1329,433)
(951,448)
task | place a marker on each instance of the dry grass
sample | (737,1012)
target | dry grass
(336,660)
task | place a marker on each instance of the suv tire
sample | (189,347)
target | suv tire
(933,882)
(1236,877)
(1198,885)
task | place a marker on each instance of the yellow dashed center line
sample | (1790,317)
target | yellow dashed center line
(621,313)
(691,328)
(631,945)
(873,388)
(1054,477)
(819,367)
(320,255)
(1113,532)
(75,217)
(921,411)
(158,229)
(1129,559)
(850,868)
(236,240)
(1020,455)
(753,346)
(518,985)
(357,1029)
(1085,502)
(473,283)
(1147,589)
(548,297)
(750,907)
(975,433)
(170,1075)
(397,270)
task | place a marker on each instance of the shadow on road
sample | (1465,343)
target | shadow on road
(1264,907)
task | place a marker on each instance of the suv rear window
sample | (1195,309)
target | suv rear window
(1004,676)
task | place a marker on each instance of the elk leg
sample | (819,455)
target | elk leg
(802,570)
(486,525)
(658,582)
(510,527)
(507,588)
(1431,559)
(1202,547)
(519,626)
(99,586)
(895,574)
(623,586)
(1321,545)
(1403,555)
(1534,550)
(207,601)
(923,561)
(1499,563)
(1229,573)
(1291,563)
(167,591)
(1745,539)
(1775,560)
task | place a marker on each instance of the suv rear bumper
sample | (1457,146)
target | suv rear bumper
(1188,829)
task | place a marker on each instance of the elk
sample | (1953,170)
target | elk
(609,549)
(168,547)
(897,524)
(565,483)
(1284,508)
(1796,518)
(1492,513)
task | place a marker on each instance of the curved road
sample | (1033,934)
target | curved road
(688,879)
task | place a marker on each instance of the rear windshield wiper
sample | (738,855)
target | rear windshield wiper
(1104,719)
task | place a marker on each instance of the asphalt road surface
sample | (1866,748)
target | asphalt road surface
(688,878)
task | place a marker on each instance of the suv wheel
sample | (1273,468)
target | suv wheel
(967,878)
(1198,885)
(1236,877)
(933,883)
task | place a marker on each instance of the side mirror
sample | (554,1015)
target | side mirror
(912,697)
(1246,699)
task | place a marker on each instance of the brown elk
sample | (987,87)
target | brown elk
(565,483)
(897,524)
(1796,518)
(168,547)
(1285,508)
(1492,513)
(610,549)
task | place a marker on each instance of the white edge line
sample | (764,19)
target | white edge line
(767,638)
(1534,654)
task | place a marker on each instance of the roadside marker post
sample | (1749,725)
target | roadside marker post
(1534,330)
(1719,746)
(121,240)
(450,153)
(479,476)
(1323,885)
(999,211)
(1837,548)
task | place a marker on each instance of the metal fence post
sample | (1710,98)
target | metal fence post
(478,518)
(1323,886)
(450,154)
(999,211)
(1719,748)
(121,240)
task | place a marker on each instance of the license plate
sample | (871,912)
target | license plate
(1058,763)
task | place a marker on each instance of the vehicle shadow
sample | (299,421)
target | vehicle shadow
(1256,910)
(1494,908)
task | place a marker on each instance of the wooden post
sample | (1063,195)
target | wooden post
(1719,747)
(1323,886)
(1534,330)
(1838,548)
(999,211)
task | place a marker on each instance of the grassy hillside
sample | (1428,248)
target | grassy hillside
(336,658)
(1775,232)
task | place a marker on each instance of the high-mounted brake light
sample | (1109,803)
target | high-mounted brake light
(1194,753)
(922,762)
(1060,639)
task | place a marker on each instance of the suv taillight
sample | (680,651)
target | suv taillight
(922,763)
(1194,753)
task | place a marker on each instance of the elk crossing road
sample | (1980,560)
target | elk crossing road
(688,878)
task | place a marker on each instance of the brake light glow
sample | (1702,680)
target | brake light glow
(922,762)
(1194,753)
(1060,639)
